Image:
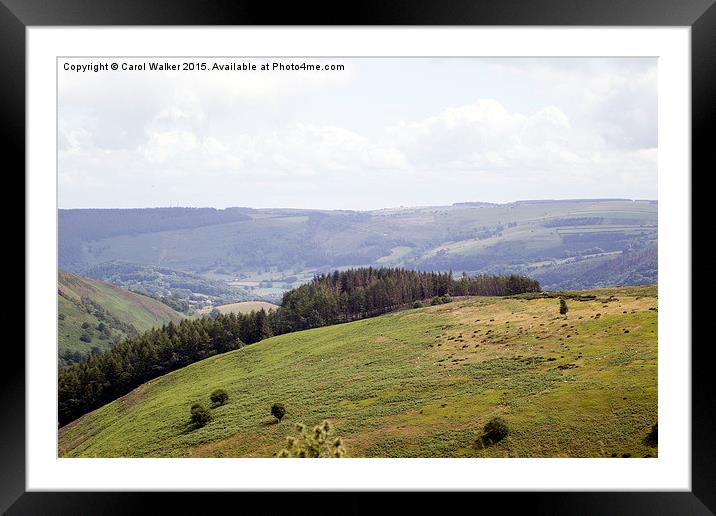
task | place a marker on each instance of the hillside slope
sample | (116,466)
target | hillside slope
(416,383)
(284,246)
(103,314)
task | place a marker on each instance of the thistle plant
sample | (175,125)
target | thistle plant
(313,444)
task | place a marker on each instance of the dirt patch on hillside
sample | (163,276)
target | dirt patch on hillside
(249,444)
(128,401)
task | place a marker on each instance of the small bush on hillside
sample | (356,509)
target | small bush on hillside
(278,411)
(313,444)
(652,438)
(200,415)
(85,325)
(495,430)
(85,338)
(563,309)
(219,397)
(417,304)
(440,300)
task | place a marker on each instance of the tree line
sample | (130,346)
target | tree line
(328,299)
(366,292)
(108,375)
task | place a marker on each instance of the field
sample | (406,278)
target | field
(115,308)
(245,307)
(415,383)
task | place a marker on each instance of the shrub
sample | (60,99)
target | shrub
(314,444)
(563,309)
(200,415)
(652,438)
(440,300)
(85,325)
(417,304)
(219,397)
(85,338)
(495,430)
(278,411)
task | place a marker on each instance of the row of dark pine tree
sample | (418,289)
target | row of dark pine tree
(108,375)
(365,292)
(328,299)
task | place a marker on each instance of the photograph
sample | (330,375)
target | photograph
(357,257)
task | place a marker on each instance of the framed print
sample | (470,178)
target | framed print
(449,247)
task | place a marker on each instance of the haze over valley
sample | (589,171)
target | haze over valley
(238,254)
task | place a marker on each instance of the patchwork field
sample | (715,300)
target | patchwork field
(245,307)
(416,383)
(286,247)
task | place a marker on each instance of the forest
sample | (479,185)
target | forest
(366,292)
(328,299)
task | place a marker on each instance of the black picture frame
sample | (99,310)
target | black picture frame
(17,15)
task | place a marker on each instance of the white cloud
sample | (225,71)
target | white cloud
(559,129)
(617,98)
(485,135)
(169,144)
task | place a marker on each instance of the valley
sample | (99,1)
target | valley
(249,254)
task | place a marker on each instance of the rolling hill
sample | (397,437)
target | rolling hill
(283,247)
(414,383)
(175,288)
(95,314)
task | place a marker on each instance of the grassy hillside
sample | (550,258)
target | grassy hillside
(108,313)
(416,383)
(183,291)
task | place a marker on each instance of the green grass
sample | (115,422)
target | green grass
(416,383)
(139,311)
(396,253)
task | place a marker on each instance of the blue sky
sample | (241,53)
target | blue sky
(382,133)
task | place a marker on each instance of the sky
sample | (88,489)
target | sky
(382,132)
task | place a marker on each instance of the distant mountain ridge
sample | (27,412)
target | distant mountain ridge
(80,225)
(238,244)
